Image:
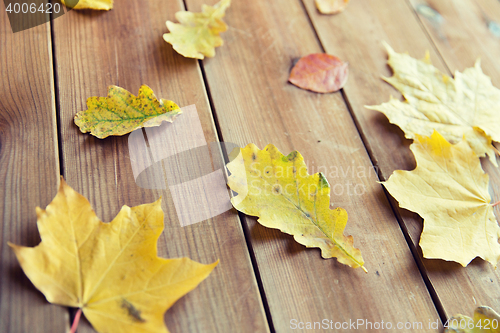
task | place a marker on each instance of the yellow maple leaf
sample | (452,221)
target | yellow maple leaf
(109,270)
(279,190)
(121,112)
(331,6)
(467,105)
(485,320)
(197,35)
(449,190)
(89,4)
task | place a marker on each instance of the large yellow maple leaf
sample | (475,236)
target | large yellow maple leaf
(279,190)
(449,190)
(121,112)
(109,270)
(197,35)
(468,105)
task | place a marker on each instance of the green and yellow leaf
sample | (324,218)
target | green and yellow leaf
(449,190)
(109,270)
(485,320)
(467,105)
(279,190)
(121,112)
(89,4)
(197,34)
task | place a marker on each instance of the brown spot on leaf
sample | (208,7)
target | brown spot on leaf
(132,311)
(291,157)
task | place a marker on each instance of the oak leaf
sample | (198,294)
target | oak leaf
(197,34)
(449,190)
(109,270)
(89,4)
(279,190)
(319,72)
(485,320)
(331,6)
(121,112)
(467,105)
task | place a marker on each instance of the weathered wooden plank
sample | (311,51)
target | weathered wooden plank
(254,103)
(464,31)
(460,45)
(125,47)
(29,170)
(458,289)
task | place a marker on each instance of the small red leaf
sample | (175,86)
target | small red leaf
(319,72)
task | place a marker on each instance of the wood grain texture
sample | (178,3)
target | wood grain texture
(254,103)
(460,45)
(459,290)
(124,47)
(463,32)
(29,171)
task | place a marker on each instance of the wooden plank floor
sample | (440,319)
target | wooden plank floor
(265,281)
(102,171)
(29,170)
(456,288)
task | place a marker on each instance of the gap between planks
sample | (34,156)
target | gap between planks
(71,311)
(241,216)
(414,251)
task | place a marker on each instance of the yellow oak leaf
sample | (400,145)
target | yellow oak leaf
(121,112)
(485,320)
(467,105)
(89,4)
(331,6)
(279,190)
(109,270)
(197,35)
(449,190)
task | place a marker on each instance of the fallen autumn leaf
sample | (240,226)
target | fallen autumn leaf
(279,190)
(197,35)
(110,271)
(89,4)
(485,320)
(331,6)
(319,72)
(449,190)
(121,112)
(467,105)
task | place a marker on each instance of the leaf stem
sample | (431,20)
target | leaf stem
(75,321)
(495,204)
